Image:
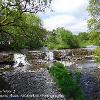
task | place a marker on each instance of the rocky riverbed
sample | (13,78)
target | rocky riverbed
(36,85)
(33,84)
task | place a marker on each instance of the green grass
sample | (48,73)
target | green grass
(65,82)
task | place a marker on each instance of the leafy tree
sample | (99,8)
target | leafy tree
(62,39)
(95,38)
(97,55)
(83,38)
(65,37)
(94,21)
(20,32)
(91,38)
(18,23)
(32,6)
(94,10)
(51,40)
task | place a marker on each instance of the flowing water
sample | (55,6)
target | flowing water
(90,80)
(19,78)
(25,83)
(50,55)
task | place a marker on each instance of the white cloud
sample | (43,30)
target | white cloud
(68,5)
(70,14)
(79,26)
(67,21)
(58,21)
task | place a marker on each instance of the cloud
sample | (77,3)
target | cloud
(68,5)
(58,21)
(79,26)
(67,21)
(70,14)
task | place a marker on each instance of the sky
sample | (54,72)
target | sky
(70,14)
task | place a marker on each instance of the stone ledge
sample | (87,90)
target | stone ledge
(6,57)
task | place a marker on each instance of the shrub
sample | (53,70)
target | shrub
(97,55)
(62,39)
(65,82)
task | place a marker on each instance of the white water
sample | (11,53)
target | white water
(66,63)
(20,58)
(50,55)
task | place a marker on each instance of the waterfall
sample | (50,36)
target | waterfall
(50,55)
(20,60)
(66,63)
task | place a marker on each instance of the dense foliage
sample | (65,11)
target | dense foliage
(31,6)
(94,11)
(95,38)
(19,26)
(97,55)
(91,38)
(62,39)
(83,38)
(65,82)
(22,31)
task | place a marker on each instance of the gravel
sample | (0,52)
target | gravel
(36,85)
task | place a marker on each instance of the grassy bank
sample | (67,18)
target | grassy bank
(97,55)
(65,82)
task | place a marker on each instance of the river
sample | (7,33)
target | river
(23,78)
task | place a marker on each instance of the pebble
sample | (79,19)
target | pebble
(39,84)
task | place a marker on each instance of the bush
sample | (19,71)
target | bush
(97,55)
(65,82)
(62,39)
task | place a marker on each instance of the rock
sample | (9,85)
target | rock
(20,64)
(38,83)
(6,57)
(58,55)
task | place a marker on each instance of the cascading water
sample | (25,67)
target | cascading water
(50,55)
(20,61)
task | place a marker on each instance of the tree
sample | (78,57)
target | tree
(94,11)
(18,23)
(51,42)
(67,38)
(62,39)
(95,38)
(32,6)
(23,31)
(83,38)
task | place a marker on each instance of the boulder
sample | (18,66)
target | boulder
(6,57)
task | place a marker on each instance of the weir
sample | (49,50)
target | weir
(64,55)
(42,57)
(30,76)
